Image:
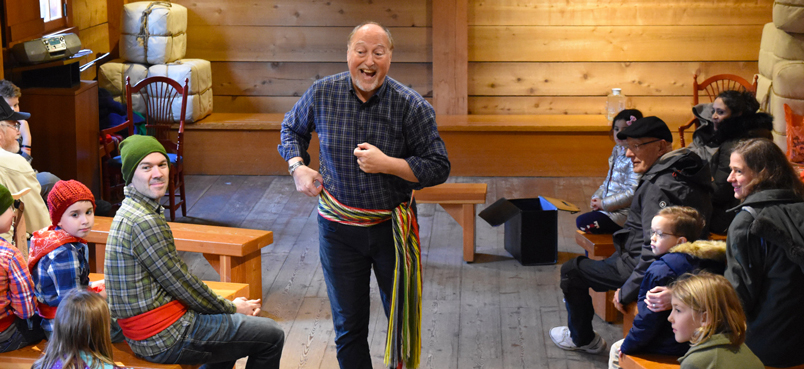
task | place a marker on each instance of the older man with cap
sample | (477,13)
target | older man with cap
(16,173)
(669,178)
(167,314)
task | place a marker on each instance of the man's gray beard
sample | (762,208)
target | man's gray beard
(360,86)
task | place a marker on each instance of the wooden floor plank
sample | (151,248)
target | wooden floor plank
(493,313)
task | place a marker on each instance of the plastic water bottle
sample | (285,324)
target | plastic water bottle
(615,103)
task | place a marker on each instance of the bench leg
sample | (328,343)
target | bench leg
(97,256)
(464,214)
(246,269)
(604,308)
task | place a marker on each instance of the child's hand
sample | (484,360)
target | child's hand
(616,301)
(620,356)
(596,204)
(658,299)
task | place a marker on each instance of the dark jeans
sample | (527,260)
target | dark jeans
(21,333)
(218,340)
(577,276)
(597,223)
(348,254)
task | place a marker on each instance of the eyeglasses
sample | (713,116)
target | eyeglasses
(16,125)
(659,234)
(636,147)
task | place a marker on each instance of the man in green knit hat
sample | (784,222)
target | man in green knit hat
(166,312)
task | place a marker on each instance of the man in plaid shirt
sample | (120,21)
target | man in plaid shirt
(378,142)
(167,314)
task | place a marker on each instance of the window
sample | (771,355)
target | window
(55,13)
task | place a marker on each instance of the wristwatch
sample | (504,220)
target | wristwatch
(295,166)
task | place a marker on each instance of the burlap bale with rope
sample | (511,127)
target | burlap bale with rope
(112,77)
(199,74)
(153,32)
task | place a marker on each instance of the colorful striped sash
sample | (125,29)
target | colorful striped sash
(403,343)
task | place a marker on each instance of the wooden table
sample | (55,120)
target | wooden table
(233,252)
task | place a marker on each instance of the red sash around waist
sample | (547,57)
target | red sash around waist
(6,322)
(46,311)
(148,324)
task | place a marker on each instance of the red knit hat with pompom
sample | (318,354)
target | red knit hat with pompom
(64,194)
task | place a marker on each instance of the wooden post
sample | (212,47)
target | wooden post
(450,56)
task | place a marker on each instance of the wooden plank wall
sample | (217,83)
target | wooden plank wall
(91,21)
(525,56)
(266,53)
(564,56)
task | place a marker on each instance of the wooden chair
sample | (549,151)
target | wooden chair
(109,155)
(713,86)
(159,95)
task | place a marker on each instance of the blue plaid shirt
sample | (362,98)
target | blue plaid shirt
(397,120)
(58,272)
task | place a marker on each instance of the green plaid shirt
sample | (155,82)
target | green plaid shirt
(144,271)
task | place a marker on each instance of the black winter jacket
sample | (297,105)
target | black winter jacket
(715,147)
(765,264)
(680,178)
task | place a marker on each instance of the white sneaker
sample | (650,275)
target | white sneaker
(561,337)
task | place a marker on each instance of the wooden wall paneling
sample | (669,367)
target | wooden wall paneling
(252,104)
(526,153)
(618,12)
(261,158)
(674,110)
(292,79)
(450,63)
(390,13)
(21,20)
(257,104)
(298,44)
(114,12)
(89,13)
(95,38)
(590,78)
(614,43)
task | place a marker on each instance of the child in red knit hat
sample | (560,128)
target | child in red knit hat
(58,259)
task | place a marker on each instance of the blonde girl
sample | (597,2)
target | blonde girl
(707,313)
(81,338)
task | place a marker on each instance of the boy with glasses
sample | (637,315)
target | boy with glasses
(668,178)
(673,233)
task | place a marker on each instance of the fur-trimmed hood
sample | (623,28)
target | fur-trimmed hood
(702,249)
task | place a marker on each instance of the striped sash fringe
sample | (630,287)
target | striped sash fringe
(403,343)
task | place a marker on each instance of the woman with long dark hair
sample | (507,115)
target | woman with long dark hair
(730,118)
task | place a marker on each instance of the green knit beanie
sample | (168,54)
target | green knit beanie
(5,199)
(135,148)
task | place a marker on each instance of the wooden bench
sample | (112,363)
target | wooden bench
(458,200)
(227,290)
(123,356)
(233,252)
(599,247)
(478,145)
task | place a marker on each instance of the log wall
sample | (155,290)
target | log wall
(563,57)
(525,56)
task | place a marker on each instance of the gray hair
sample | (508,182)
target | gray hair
(359,26)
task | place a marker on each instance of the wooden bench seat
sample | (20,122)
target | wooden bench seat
(478,145)
(233,252)
(123,356)
(458,200)
(653,361)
